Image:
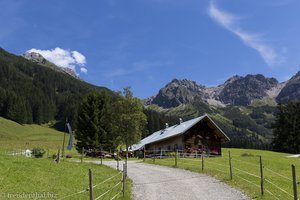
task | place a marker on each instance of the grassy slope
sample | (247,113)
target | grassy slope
(44,174)
(246,160)
(14,135)
(31,175)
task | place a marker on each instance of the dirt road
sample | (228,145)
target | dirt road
(154,182)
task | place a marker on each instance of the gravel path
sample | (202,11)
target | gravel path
(154,182)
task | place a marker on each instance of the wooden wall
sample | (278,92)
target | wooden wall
(202,138)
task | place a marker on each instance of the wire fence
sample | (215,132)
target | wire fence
(115,188)
(248,170)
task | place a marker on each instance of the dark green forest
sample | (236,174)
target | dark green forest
(287,128)
(31,93)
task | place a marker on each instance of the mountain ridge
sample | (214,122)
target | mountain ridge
(236,91)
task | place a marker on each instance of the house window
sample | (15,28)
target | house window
(175,147)
(169,147)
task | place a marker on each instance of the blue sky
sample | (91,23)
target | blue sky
(146,43)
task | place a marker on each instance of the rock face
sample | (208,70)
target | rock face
(178,92)
(243,90)
(39,59)
(35,57)
(291,90)
(237,90)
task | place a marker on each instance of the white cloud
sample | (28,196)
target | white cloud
(80,59)
(83,70)
(255,41)
(64,58)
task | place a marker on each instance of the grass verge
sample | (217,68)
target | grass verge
(246,171)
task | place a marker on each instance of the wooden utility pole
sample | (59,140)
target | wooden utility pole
(294,182)
(261,176)
(91,185)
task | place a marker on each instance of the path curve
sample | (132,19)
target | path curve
(155,182)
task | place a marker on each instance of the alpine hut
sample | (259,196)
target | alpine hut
(200,135)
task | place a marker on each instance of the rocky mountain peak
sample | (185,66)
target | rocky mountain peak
(185,83)
(39,59)
(296,76)
(244,90)
(35,57)
(177,92)
(291,90)
(232,79)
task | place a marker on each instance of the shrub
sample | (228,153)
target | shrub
(38,152)
(54,156)
(68,156)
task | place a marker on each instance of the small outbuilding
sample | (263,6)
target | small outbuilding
(200,135)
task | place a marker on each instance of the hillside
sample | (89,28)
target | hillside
(33,93)
(15,136)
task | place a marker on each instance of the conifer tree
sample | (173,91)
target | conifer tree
(92,128)
(286,128)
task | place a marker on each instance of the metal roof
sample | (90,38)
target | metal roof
(171,132)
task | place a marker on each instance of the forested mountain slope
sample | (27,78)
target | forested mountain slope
(32,93)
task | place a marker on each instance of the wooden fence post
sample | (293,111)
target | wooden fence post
(160,153)
(230,166)
(125,169)
(294,182)
(261,176)
(118,160)
(176,152)
(202,162)
(123,188)
(82,151)
(58,155)
(91,185)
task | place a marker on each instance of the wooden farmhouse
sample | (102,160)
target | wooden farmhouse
(196,136)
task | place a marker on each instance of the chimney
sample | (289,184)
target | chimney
(180,120)
(167,125)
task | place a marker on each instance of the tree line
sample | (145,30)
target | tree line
(287,128)
(106,122)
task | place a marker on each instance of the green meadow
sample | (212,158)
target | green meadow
(16,136)
(21,175)
(246,171)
